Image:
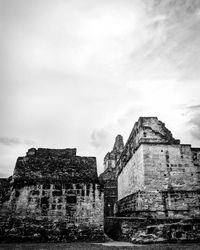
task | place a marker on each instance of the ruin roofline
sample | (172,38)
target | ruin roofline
(147,130)
(45,164)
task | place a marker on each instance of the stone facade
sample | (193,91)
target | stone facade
(109,177)
(54,195)
(157,173)
(149,192)
(158,187)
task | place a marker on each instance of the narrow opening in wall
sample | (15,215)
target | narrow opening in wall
(59,206)
(71,199)
(60,200)
(58,186)
(68,186)
(46,186)
(57,193)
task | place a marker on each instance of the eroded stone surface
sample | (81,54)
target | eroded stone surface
(161,176)
(148,192)
(158,182)
(54,195)
(109,177)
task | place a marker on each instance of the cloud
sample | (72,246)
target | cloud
(77,71)
(11,141)
(193,114)
(195,126)
(194,107)
(3,175)
(99,138)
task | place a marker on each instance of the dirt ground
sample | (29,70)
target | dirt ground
(93,246)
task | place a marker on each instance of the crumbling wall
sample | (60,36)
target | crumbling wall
(141,231)
(108,178)
(158,172)
(55,196)
(108,181)
(4,190)
(55,212)
(158,180)
(51,164)
(146,130)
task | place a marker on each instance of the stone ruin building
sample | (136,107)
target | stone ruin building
(54,195)
(149,192)
(158,186)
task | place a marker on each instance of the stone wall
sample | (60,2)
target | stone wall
(51,164)
(146,130)
(131,178)
(4,190)
(153,204)
(108,178)
(68,212)
(169,166)
(55,196)
(108,181)
(140,230)
(158,179)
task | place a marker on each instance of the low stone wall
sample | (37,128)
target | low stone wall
(122,228)
(41,229)
(169,203)
(53,212)
(143,230)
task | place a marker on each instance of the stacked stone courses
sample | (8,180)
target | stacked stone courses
(150,189)
(158,184)
(54,195)
(160,172)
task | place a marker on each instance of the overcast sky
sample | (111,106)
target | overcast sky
(76,73)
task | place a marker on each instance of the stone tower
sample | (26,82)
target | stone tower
(112,157)
(109,178)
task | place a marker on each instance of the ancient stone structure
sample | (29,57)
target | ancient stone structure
(157,174)
(158,182)
(54,195)
(109,177)
(149,192)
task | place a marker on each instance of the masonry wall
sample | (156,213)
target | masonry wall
(169,166)
(146,130)
(108,181)
(55,196)
(54,212)
(4,189)
(165,183)
(140,230)
(76,202)
(131,178)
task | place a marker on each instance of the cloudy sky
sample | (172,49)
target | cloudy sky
(76,73)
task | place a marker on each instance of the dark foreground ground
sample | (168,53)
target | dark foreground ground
(92,246)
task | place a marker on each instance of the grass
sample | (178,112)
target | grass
(92,246)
